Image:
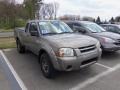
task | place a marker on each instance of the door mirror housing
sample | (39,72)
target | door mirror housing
(79,29)
(34,33)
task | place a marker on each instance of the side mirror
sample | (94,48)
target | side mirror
(34,33)
(79,29)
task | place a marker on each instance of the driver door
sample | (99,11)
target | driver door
(33,37)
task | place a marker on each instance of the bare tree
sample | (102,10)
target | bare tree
(9,13)
(49,11)
(56,6)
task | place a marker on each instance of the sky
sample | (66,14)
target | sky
(93,8)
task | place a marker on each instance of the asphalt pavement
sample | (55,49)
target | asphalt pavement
(100,76)
(109,82)
(4,84)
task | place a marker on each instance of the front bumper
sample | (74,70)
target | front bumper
(77,62)
(111,47)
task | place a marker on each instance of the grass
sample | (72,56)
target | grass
(6,43)
(6,30)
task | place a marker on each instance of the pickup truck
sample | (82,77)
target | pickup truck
(57,46)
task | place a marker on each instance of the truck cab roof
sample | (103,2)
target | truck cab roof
(41,20)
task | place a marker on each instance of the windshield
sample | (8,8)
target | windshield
(94,28)
(54,27)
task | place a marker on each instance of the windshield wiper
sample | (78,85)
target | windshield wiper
(95,32)
(65,32)
(49,33)
(56,33)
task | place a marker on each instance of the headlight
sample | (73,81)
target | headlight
(65,52)
(107,40)
(98,45)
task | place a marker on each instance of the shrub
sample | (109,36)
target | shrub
(20,23)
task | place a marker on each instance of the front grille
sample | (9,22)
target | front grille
(89,61)
(87,48)
(117,43)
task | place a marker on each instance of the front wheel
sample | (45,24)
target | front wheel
(20,48)
(46,66)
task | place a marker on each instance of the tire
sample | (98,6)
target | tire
(46,66)
(20,48)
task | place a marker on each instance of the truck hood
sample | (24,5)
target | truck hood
(108,35)
(71,40)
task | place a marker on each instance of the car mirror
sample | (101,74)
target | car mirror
(79,29)
(34,33)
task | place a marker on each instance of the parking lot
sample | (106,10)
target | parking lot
(103,75)
(4,85)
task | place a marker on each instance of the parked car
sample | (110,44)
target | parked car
(109,41)
(111,28)
(57,46)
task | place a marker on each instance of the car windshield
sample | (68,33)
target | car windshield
(94,28)
(54,27)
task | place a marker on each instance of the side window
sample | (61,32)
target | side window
(33,29)
(111,28)
(105,27)
(70,25)
(76,24)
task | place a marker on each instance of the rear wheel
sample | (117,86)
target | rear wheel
(20,48)
(46,66)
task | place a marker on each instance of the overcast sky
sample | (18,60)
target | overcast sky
(103,8)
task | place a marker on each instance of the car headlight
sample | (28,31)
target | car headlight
(65,52)
(107,40)
(98,45)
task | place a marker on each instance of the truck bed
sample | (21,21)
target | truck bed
(18,32)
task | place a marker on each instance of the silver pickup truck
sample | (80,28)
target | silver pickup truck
(57,46)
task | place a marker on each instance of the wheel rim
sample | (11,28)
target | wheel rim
(45,65)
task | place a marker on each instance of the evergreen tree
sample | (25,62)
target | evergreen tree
(98,20)
(112,20)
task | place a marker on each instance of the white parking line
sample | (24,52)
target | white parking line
(103,66)
(15,81)
(93,79)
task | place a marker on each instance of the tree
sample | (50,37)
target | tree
(30,8)
(112,21)
(49,11)
(10,12)
(94,20)
(56,6)
(117,19)
(98,20)
(70,17)
(7,13)
(105,22)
